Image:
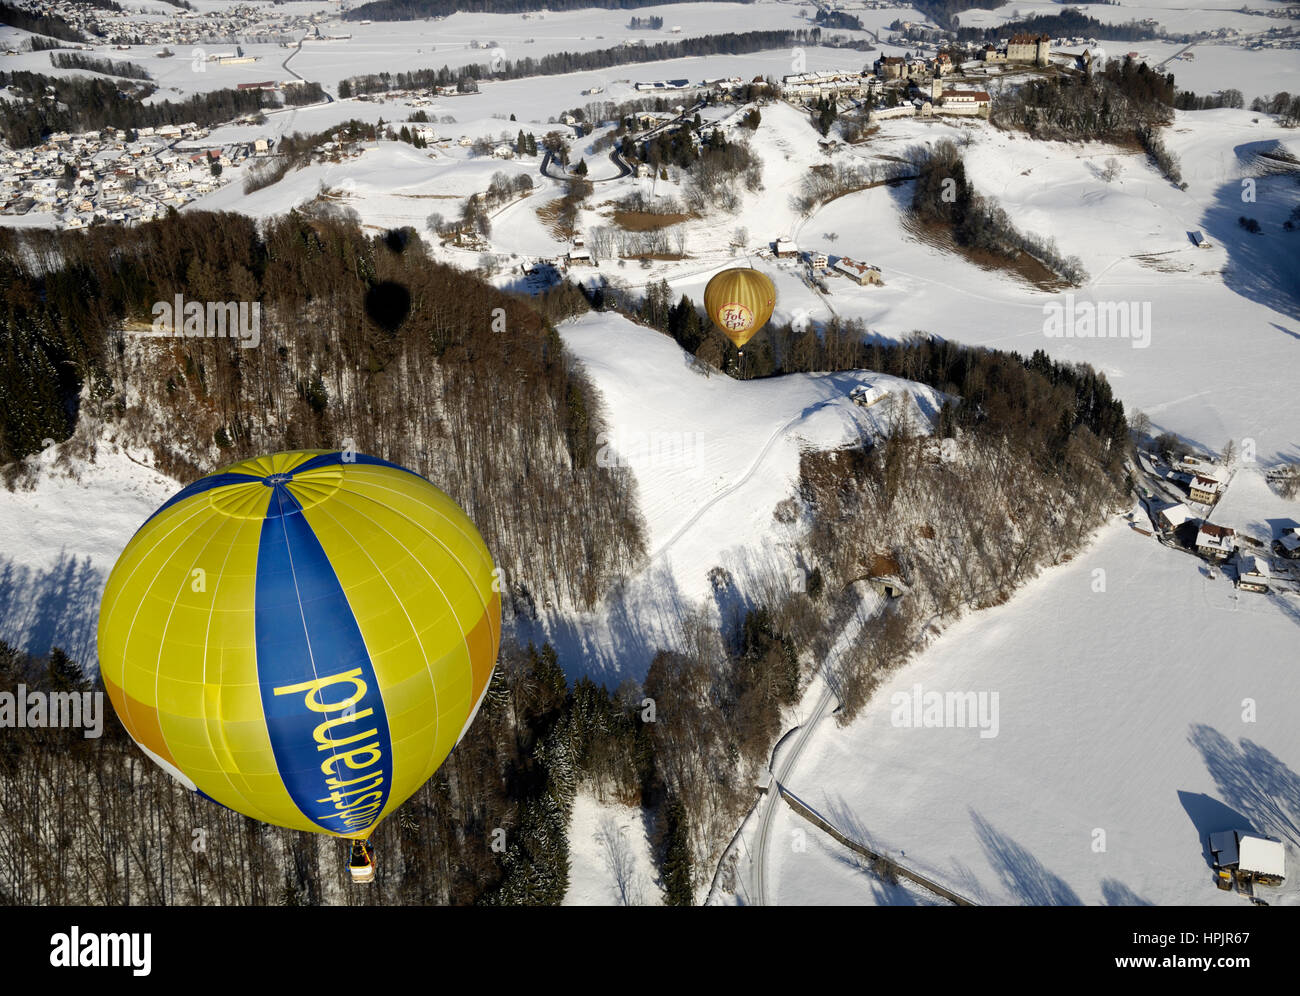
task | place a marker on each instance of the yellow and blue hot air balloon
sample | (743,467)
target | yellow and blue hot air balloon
(302,637)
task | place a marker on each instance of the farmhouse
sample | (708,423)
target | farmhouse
(1204,489)
(1252,572)
(1199,240)
(1215,542)
(862,273)
(1249,857)
(785,249)
(868,395)
(1288,544)
(1174,516)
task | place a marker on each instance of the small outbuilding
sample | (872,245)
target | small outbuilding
(1252,572)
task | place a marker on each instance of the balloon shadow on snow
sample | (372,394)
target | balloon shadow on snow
(1252,781)
(1116,893)
(1022,874)
(57,606)
(1262,267)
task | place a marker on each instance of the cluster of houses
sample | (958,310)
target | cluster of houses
(819,263)
(124,26)
(1189,523)
(922,81)
(113,176)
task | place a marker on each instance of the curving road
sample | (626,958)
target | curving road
(825,705)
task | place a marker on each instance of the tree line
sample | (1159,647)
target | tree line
(557,63)
(1068,23)
(944,194)
(41,24)
(88,104)
(414,10)
(92,64)
(1113,104)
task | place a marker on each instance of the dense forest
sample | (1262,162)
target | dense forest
(81,103)
(1114,103)
(411,10)
(360,338)
(488,828)
(557,63)
(1068,23)
(41,24)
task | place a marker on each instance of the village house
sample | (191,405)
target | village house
(975,102)
(1216,542)
(1205,490)
(1288,544)
(1246,858)
(1252,572)
(861,273)
(1174,516)
(892,67)
(579,255)
(785,249)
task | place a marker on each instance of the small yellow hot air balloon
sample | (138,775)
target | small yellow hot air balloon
(740,302)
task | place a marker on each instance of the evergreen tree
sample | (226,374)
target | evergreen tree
(64,673)
(676,865)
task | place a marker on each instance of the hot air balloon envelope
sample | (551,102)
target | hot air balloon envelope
(740,302)
(302,637)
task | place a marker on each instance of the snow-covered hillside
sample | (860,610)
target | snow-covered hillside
(1131,722)
(712,457)
(61,540)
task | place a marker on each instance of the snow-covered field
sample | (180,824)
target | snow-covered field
(712,457)
(1131,722)
(61,540)
(609,856)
